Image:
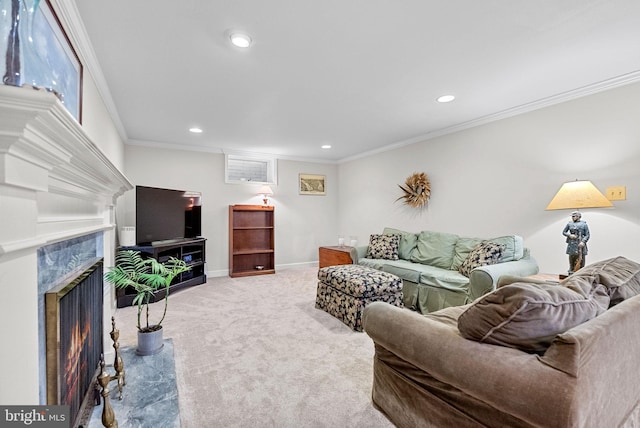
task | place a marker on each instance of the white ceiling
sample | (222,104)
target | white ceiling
(361,75)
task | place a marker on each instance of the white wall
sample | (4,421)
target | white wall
(98,124)
(302,222)
(486,181)
(498,179)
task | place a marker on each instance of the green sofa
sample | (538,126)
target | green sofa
(428,263)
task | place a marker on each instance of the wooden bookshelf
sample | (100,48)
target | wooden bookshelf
(251,240)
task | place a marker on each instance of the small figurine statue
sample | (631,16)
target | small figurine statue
(577,233)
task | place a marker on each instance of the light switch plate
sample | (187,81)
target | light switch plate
(617,193)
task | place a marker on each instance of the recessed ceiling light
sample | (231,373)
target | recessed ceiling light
(326,146)
(240,40)
(195,130)
(446,98)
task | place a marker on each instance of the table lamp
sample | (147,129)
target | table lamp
(265,191)
(574,195)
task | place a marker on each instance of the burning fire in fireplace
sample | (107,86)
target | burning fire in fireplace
(75,363)
(74,337)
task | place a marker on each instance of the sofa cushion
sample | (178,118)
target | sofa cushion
(443,278)
(528,316)
(484,254)
(619,275)
(383,247)
(408,241)
(435,249)
(513,247)
(462,249)
(404,269)
(448,316)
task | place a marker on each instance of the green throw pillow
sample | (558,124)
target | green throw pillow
(408,241)
(435,249)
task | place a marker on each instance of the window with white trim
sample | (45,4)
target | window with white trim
(248,168)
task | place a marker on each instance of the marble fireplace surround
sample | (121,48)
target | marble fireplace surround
(56,185)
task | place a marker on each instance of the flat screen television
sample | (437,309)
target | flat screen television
(167,215)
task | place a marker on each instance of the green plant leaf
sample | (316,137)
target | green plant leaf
(145,276)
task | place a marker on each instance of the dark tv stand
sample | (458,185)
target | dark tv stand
(191,250)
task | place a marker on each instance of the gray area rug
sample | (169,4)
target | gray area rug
(254,351)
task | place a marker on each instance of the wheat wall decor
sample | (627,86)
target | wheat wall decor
(417,190)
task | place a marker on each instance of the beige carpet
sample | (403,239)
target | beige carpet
(255,352)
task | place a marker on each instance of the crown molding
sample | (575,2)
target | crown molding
(605,85)
(69,16)
(218,150)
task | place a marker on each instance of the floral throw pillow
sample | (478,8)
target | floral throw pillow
(383,247)
(484,254)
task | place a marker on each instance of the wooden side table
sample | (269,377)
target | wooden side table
(332,256)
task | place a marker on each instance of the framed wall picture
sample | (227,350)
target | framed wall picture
(311,184)
(41,55)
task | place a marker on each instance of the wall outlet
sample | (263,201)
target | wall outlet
(617,193)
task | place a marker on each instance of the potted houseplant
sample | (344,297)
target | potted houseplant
(145,276)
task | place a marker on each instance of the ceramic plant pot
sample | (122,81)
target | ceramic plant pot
(150,343)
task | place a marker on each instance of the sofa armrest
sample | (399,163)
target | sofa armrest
(360,253)
(510,279)
(484,279)
(355,255)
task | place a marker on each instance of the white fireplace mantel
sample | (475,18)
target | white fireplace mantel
(46,156)
(55,184)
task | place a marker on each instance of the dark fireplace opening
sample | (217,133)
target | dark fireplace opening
(73,312)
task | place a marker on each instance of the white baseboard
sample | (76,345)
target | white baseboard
(225,272)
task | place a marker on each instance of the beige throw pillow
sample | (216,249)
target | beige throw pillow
(528,316)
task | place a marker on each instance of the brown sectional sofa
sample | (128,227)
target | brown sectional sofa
(575,373)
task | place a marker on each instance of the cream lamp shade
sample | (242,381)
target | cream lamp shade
(578,194)
(265,191)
